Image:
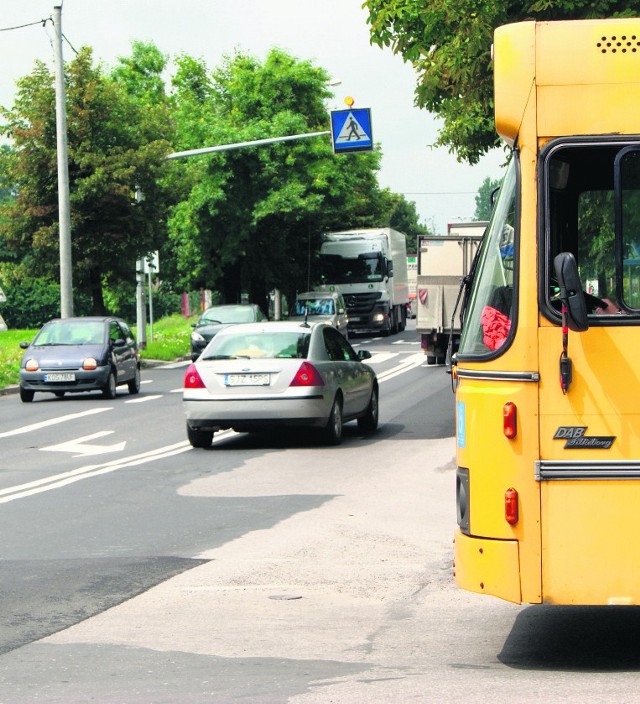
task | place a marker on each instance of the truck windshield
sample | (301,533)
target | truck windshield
(352,270)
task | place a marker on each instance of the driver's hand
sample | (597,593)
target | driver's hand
(609,309)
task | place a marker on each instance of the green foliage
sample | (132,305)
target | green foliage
(448,42)
(483,198)
(170,338)
(11,354)
(115,144)
(31,302)
(250,219)
(245,220)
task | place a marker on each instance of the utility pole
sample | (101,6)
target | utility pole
(141,308)
(66,280)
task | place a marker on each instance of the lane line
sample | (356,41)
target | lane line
(54,421)
(415,360)
(143,399)
(58,481)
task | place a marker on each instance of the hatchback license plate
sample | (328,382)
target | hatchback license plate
(246,380)
(58,376)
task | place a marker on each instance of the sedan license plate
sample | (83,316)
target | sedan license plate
(59,376)
(246,380)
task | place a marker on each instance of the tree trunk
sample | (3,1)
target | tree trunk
(95,290)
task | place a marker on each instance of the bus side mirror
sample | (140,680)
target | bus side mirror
(571,293)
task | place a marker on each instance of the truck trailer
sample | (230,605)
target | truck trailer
(369,268)
(443,261)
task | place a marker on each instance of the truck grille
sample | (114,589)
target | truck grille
(361,303)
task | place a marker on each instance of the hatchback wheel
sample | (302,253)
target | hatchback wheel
(199,438)
(109,389)
(333,429)
(26,396)
(369,421)
(134,384)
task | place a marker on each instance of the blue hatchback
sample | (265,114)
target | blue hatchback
(70,355)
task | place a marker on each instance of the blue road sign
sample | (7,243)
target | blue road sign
(351,130)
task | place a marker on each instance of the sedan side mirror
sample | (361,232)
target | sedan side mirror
(571,293)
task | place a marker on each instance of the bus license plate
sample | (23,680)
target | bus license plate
(246,380)
(59,376)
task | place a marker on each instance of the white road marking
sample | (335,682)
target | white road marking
(380,357)
(80,447)
(415,360)
(143,399)
(57,481)
(54,421)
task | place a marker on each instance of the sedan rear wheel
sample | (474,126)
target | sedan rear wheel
(368,423)
(26,396)
(109,389)
(199,438)
(333,430)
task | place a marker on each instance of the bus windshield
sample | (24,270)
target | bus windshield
(488,318)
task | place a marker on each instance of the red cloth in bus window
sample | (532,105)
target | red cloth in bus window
(495,327)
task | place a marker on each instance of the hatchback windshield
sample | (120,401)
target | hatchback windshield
(70,333)
(260,344)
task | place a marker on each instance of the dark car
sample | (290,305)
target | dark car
(70,355)
(217,317)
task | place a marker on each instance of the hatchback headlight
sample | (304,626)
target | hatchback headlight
(197,337)
(31,365)
(89,364)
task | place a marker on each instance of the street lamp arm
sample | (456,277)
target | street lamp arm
(241,145)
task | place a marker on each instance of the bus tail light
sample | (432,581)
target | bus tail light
(510,420)
(511,506)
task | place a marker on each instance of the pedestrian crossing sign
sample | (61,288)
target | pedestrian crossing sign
(351,130)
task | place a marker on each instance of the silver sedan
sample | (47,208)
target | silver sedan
(259,375)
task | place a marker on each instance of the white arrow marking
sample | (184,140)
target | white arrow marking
(80,447)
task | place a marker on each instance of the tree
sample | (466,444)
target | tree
(484,198)
(402,216)
(114,146)
(252,217)
(448,42)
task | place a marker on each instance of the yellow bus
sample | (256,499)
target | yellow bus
(547,374)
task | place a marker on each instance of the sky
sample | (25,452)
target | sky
(332,34)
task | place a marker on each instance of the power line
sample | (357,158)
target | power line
(30,24)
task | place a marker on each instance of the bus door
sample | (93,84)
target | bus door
(589,389)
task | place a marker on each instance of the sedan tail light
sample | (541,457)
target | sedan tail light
(307,375)
(192,379)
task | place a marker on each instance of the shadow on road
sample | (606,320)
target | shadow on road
(574,638)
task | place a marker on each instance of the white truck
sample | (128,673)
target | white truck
(443,261)
(369,268)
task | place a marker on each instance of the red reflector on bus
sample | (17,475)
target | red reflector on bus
(510,420)
(511,506)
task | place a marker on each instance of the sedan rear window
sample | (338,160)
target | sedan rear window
(266,345)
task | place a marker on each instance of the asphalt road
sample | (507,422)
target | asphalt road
(268,568)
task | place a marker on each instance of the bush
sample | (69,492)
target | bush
(30,303)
